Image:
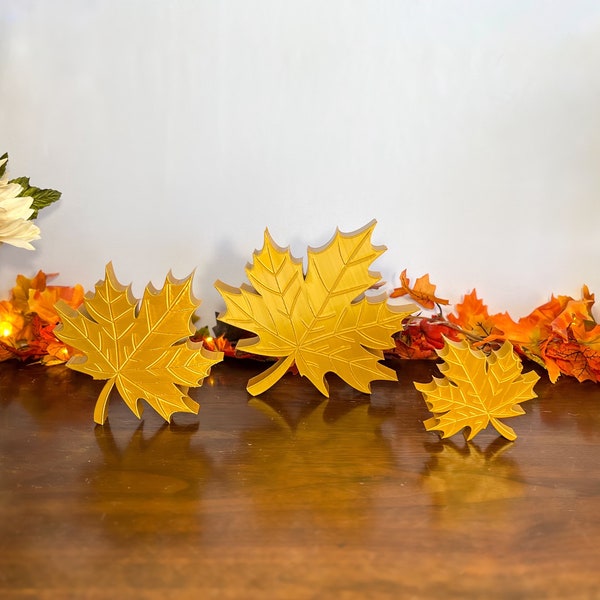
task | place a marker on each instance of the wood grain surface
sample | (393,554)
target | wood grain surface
(291,495)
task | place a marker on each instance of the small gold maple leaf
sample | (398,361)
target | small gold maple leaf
(477,390)
(142,349)
(322,322)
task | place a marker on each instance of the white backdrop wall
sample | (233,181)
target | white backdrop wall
(178,130)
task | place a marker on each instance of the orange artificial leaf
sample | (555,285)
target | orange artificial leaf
(42,302)
(561,335)
(573,347)
(551,309)
(36,296)
(23,286)
(587,295)
(587,334)
(571,358)
(472,316)
(524,332)
(423,292)
(219,344)
(57,353)
(577,315)
(529,333)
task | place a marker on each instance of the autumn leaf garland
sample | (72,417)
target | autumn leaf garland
(28,320)
(560,335)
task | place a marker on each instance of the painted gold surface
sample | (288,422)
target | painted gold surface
(140,348)
(320,323)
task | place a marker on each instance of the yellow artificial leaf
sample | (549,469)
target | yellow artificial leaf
(321,322)
(477,390)
(144,350)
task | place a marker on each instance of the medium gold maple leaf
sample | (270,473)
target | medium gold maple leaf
(142,349)
(477,390)
(322,322)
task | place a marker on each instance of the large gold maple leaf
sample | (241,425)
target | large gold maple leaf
(321,322)
(140,348)
(477,390)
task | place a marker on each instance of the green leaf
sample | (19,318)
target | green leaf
(3,167)
(41,198)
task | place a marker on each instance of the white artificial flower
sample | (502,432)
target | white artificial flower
(15,228)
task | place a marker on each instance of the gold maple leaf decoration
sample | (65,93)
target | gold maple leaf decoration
(143,349)
(321,322)
(477,390)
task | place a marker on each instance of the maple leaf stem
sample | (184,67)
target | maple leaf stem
(503,429)
(101,408)
(261,383)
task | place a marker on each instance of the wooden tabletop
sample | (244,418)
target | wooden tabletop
(293,496)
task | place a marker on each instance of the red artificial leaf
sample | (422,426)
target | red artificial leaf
(421,337)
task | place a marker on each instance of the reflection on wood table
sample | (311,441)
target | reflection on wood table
(291,495)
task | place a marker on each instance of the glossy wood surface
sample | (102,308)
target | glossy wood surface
(293,496)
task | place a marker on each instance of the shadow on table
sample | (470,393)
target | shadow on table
(147,486)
